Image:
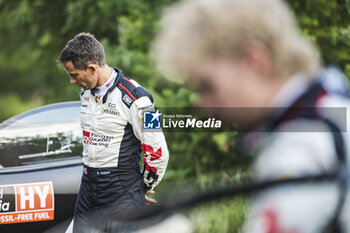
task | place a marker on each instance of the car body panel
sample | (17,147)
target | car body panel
(39,150)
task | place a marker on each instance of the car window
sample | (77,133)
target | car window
(41,135)
(49,114)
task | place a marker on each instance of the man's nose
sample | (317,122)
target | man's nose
(72,80)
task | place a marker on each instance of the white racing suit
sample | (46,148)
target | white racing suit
(301,144)
(113,138)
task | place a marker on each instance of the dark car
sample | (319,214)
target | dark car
(40,172)
(40,168)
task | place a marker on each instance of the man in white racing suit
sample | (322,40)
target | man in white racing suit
(249,56)
(112,108)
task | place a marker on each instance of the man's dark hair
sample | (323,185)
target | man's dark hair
(83,49)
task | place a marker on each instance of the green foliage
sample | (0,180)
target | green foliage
(327,23)
(35,31)
(225,216)
(11,105)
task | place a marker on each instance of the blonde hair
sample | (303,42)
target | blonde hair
(195,30)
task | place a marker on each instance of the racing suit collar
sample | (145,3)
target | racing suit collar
(115,83)
(290,91)
(250,142)
(102,90)
(303,106)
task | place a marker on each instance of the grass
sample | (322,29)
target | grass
(218,216)
(226,216)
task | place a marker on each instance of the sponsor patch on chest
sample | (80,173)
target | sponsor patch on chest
(95,139)
(127,100)
(110,112)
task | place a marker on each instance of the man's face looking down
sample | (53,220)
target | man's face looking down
(86,79)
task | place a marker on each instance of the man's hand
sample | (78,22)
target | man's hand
(149,200)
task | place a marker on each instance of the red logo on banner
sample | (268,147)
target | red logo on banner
(27,202)
(34,196)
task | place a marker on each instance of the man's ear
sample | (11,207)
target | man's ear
(258,58)
(92,67)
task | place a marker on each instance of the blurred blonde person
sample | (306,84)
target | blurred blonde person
(250,54)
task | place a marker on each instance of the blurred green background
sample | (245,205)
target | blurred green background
(33,32)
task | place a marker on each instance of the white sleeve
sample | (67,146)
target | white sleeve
(153,144)
(292,208)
